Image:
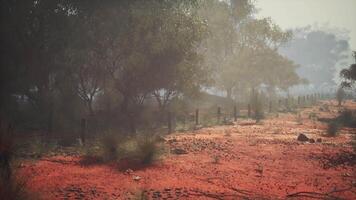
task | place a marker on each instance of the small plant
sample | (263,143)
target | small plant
(147,149)
(333,128)
(110,146)
(39,148)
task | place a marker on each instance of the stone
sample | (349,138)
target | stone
(302,138)
(128,171)
(136,178)
(311,140)
(318,140)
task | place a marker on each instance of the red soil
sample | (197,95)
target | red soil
(263,161)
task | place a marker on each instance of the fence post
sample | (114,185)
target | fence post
(235,113)
(249,110)
(270,106)
(196,116)
(169,122)
(219,114)
(83,127)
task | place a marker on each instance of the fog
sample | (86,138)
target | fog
(126,85)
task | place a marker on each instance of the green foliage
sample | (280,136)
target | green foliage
(147,149)
(247,56)
(142,148)
(349,75)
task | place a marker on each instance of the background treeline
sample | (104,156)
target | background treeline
(124,64)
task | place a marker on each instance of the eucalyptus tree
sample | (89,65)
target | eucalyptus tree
(146,48)
(240,45)
(349,74)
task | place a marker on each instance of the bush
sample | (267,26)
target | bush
(333,128)
(147,149)
(347,118)
(144,149)
(111,147)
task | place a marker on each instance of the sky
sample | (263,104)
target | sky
(298,13)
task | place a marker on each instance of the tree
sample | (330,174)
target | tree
(242,50)
(349,74)
(33,34)
(318,52)
(150,47)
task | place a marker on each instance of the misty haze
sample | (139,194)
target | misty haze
(178,99)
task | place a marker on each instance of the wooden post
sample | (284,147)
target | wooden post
(196,116)
(249,110)
(83,126)
(270,107)
(169,120)
(235,113)
(219,114)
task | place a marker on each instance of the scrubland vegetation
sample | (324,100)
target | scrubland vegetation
(139,85)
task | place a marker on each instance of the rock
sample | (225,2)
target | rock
(128,171)
(302,138)
(136,178)
(179,151)
(318,140)
(311,140)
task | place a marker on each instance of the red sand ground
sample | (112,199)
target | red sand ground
(263,161)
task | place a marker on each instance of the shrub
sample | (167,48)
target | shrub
(39,147)
(147,149)
(111,147)
(347,118)
(333,128)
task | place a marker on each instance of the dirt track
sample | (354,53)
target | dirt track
(246,160)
